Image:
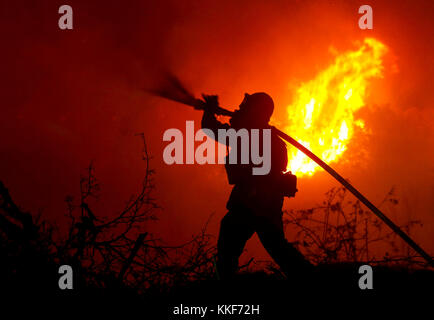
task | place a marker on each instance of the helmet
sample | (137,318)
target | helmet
(254,111)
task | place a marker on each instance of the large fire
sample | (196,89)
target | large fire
(322,113)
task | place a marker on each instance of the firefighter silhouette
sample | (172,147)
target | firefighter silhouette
(255,203)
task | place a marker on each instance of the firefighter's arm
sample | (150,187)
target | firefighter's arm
(209,120)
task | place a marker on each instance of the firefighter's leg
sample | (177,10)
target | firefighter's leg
(289,259)
(235,230)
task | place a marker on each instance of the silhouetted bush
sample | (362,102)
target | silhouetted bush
(118,251)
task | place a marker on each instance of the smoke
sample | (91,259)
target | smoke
(69,97)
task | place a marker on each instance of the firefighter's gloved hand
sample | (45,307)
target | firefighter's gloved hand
(211,103)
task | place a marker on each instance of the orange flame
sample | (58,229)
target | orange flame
(322,113)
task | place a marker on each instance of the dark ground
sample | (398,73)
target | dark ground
(332,292)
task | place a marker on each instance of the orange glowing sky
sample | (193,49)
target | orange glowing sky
(69,97)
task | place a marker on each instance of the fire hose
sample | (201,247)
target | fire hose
(175,91)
